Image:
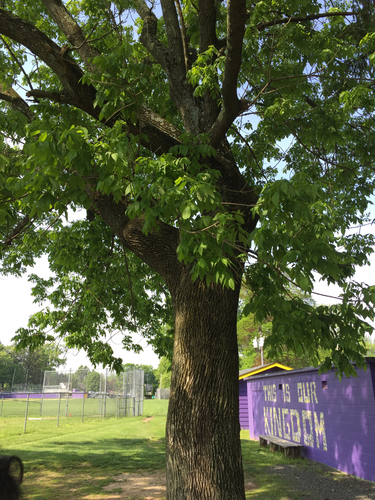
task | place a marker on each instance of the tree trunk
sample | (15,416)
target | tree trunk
(203,433)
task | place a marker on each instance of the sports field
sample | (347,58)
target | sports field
(65,407)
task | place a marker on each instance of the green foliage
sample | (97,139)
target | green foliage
(26,366)
(303,150)
(150,372)
(163,373)
(370,346)
(92,381)
(7,367)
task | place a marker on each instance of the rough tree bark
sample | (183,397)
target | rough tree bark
(203,442)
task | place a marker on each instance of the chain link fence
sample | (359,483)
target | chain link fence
(71,394)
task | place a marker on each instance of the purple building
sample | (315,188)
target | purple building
(333,420)
(243,376)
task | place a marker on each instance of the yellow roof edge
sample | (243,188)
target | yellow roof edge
(265,368)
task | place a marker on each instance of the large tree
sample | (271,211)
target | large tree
(223,137)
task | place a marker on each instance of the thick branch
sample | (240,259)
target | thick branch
(46,49)
(232,106)
(235,34)
(20,227)
(207,24)
(71,29)
(11,96)
(176,49)
(148,36)
(172,60)
(183,36)
(157,249)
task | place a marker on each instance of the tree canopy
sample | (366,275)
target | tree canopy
(203,142)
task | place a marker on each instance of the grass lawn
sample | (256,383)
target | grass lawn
(75,460)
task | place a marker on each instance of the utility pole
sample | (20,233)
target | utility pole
(258,344)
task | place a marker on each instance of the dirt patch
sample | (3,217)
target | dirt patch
(138,486)
(145,420)
(145,486)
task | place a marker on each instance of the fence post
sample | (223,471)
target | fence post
(58,410)
(105,393)
(83,406)
(126,395)
(27,409)
(118,408)
(1,410)
(134,393)
(41,400)
(67,403)
(11,387)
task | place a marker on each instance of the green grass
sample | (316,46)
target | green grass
(75,460)
(49,407)
(84,457)
(256,463)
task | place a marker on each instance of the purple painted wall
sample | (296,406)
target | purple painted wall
(244,409)
(335,421)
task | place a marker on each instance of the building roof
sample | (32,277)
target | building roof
(255,370)
(259,372)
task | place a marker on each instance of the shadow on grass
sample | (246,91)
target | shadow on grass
(257,463)
(131,454)
(59,470)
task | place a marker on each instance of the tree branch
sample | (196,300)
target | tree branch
(232,106)
(175,45)
(207,24)
(65,68)
(7,45)
(299,19)
(148,36)
(17,103)
(157,249)
(183,36)
(20,227)
(235,34)
(71,29)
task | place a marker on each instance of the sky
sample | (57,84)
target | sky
(17,306)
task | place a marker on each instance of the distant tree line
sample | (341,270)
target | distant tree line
(26,367)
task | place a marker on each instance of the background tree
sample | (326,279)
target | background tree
(92,381)
(78,378)
(163,373)
(150,377)
(33,363)
(151,135)
(7,367)
(370,346)
(248,329)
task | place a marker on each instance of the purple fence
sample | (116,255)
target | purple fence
(335,421)
(46,395)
